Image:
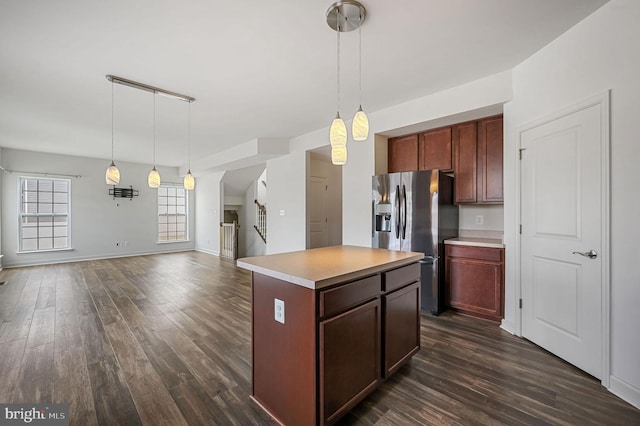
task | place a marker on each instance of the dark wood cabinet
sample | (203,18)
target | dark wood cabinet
(478,162)
(465,162)
(490,160)
(336,343)
(402,326)
(349,359)
(435,150)
(472,150)
(474,278)
(402,154)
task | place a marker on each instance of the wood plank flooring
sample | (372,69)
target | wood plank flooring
(166,340)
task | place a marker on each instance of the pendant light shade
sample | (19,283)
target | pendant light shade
(360,126)
(154,178)
(112,175)
(338,132)
(339,155)
(189,181)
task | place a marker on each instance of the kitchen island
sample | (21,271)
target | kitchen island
(329,325)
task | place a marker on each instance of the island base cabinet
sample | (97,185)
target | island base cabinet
(349,359)
(402,327)
(284,355)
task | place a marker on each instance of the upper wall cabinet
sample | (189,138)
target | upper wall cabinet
(403,154)
(426,151)
(490,160)
(478,162)
(472,150)
(436,150)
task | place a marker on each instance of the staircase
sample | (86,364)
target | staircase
(261,221)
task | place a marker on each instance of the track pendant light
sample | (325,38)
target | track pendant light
(112,175)
(342,16)
(154,177)
(189,180)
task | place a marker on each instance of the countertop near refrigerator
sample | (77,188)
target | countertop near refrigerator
(475,242)
(321,267)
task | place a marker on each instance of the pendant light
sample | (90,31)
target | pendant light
(112,175)
(343,16)
(360,123)
(154,177)
(189,180)
(338,130)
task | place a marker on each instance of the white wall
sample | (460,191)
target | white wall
(598,54)
(97,220)
(1,173)
(209,210)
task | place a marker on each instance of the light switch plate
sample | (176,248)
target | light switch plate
(278,310)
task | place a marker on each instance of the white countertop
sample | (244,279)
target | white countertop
(317,268)
(477,242)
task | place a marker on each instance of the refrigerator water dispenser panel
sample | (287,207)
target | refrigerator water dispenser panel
(383,217)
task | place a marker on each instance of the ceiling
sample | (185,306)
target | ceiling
(257,69)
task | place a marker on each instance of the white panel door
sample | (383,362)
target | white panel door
(561,217)
(318,222)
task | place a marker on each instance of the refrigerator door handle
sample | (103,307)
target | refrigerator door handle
(397,205)
(404,212)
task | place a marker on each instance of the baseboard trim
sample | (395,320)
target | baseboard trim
(213,252)
(508,326)
(625,391)
(88,258)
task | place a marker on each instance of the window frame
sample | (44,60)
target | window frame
(22,214)
(176,215)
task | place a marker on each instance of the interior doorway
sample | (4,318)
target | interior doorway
(324,200)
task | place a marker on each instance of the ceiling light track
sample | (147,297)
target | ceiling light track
(149,88)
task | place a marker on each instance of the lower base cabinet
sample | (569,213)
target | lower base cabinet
(474,278)
(336,344)
(349,359)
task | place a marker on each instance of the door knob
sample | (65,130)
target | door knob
(591,254)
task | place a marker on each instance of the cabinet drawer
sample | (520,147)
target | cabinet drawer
(479,253)
(340,298)
(402,276)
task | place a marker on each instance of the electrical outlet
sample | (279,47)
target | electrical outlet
(126,243)
(479,219)
(278,308)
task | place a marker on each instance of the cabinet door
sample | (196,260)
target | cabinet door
(436,149)
(403,154)
(490,160)
(401,326)
(475,284)
(465,162)
(349,359)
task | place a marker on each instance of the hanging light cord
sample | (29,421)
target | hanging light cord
(112,121)
(154,129)
(189,136)
(338,61)
(360,59)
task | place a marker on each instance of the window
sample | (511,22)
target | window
(44,214)
(172,213)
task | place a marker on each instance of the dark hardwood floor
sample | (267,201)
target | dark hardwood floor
(166,339)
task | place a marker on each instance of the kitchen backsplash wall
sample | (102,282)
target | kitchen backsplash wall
(476,220)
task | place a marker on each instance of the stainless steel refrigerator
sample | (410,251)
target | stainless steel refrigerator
(414,211)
